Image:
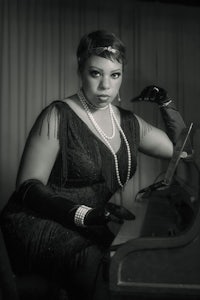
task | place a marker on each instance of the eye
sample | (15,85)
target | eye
(116,75)
(95,73)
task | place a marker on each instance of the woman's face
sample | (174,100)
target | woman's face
(101,80)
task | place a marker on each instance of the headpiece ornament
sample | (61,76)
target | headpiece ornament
(99,50)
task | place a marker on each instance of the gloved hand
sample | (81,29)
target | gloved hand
(97,216)
(41,199)
(154,94)
(119,212)
(112,212)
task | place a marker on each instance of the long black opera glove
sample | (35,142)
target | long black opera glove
(41,199)
(174,122)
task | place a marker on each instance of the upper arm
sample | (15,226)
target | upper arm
(154,141)
(41,150)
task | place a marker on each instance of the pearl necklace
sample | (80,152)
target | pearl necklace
(95,107)
(102,133)
(105,138)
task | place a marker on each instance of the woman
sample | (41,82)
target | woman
(80,151)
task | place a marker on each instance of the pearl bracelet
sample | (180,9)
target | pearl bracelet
(80,215)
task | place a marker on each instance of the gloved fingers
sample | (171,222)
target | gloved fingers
(97,216)
(115,219)
(152,93)
(148,94)
(111,212)
(119,211)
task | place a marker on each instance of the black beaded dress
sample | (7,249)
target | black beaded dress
(84,172)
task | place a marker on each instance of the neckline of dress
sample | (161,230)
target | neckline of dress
(93,134)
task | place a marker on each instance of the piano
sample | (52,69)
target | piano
(157,255)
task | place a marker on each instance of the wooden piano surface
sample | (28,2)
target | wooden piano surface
(151,256)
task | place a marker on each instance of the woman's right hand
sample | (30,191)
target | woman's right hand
(112,212)
(97,216)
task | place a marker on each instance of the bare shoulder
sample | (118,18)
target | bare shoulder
(75,104)
(71,100)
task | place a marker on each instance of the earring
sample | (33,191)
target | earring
(118,97)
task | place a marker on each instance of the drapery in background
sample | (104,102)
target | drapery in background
(38,65)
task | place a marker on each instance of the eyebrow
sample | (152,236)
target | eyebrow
(117,70)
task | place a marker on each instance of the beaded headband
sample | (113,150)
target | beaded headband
(99,50)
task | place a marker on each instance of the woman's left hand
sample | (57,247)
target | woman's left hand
(154,94)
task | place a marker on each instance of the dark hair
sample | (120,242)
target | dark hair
(101,43)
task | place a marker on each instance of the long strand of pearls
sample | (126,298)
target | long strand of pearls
(105,138)
(128,150)
(86,107)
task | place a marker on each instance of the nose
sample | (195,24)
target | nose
(105,83)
